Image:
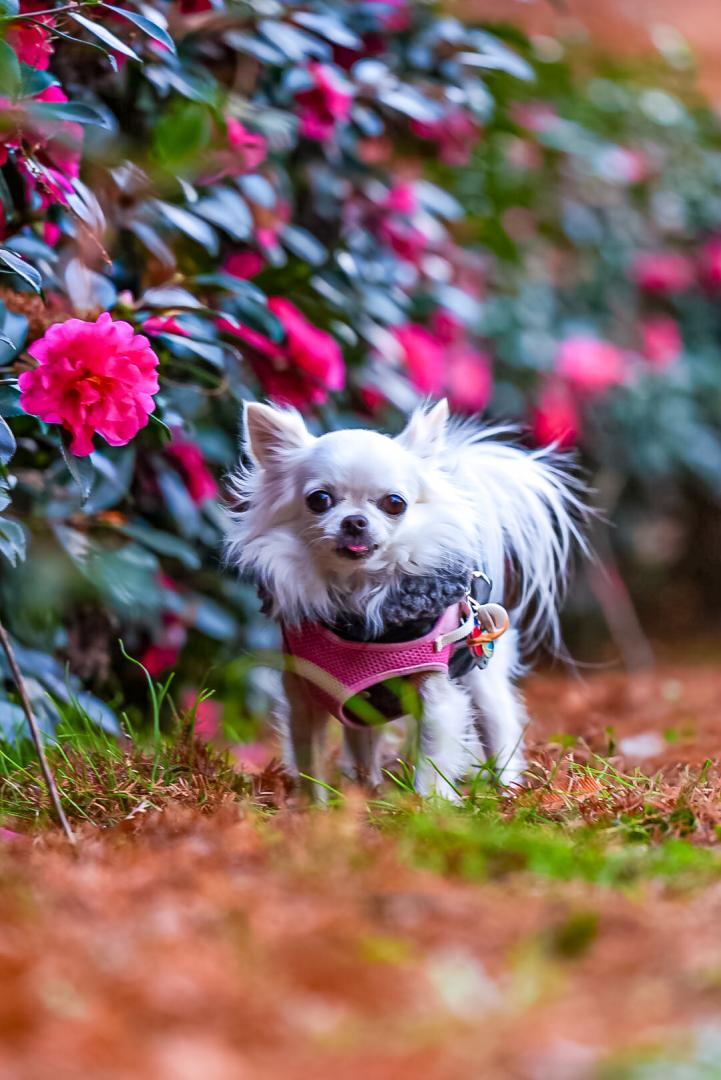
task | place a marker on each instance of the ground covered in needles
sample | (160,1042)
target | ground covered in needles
(207,926)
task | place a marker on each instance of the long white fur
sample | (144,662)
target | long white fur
(474,498)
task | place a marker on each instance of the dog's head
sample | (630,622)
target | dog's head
(347,511)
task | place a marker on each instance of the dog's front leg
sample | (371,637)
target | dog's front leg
(446,730)
(304,737)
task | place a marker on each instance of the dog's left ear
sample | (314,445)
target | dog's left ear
(271,433)
(424,434)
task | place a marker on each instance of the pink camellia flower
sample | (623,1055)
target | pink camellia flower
(391,14)
(54,145)
(31,41)
(208,714)
(661,338)
(325,104)
(243,152)
(199,480)
(555,417)
(469,382)
(310,350)
(92,377)
(710,262)
(447,327)
(300,372)
(401,199)
(422,355)
(455,134)
(163,324)
(589,364)
(665,272)
(244,264)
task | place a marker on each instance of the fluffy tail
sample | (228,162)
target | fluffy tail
(531,515)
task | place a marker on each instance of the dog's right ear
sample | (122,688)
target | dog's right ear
(270,433)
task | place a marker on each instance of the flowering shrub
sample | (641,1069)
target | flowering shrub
(344,207)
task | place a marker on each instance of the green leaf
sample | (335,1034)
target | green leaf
(80,468)
(10,75)
(10,401)
(182,133)
(23,269)
(105,36)
(152,29)
(8,446)
(75,111)
(163,543)
(13,540)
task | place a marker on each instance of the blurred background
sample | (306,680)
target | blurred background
(349,207)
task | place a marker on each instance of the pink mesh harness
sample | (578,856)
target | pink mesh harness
(335,670)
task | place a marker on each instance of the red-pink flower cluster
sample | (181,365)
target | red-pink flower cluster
(455,135)
(663,272)
(45,151)
(199,480)
(301,371)
(243,152)
(92,377)
(31,40)
(325,104)
(440,360)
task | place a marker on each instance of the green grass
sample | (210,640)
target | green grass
(480,843)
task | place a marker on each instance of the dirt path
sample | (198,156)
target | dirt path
(252,945)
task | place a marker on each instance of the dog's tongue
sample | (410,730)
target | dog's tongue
(357,547)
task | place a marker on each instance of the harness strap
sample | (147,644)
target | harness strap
(459,634)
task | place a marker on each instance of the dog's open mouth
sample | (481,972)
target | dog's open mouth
(355,549)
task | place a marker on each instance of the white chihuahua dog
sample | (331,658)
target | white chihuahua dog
(370,536)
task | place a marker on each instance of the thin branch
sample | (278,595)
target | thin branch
(35,733)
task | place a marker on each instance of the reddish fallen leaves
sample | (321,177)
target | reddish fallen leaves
(183,945)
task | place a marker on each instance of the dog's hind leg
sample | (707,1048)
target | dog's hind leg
(501,715)
(304,731)
(361,759)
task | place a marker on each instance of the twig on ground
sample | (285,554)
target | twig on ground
(35,733)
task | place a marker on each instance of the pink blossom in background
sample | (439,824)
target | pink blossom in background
(208,714)
(310,350)
(455,135)
(401,199)
(165,651)
(589,364)
(325,104)
(163,324)
(391,14)
(537,116)
(244,264)
(253,338)
(625,165)
(555,418)
(31,41)
(710,262)
(55,144)
(403,238)
(300,372)
(447,327)
(422,356)
(243,152)
(469,381)
(51,233)
(194,7)
(664,272)
(92,377)
(661,337)
(199,480)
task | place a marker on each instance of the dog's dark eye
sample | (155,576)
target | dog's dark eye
(393,505)
(319,501)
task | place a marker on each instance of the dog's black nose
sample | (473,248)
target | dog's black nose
(354,524)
